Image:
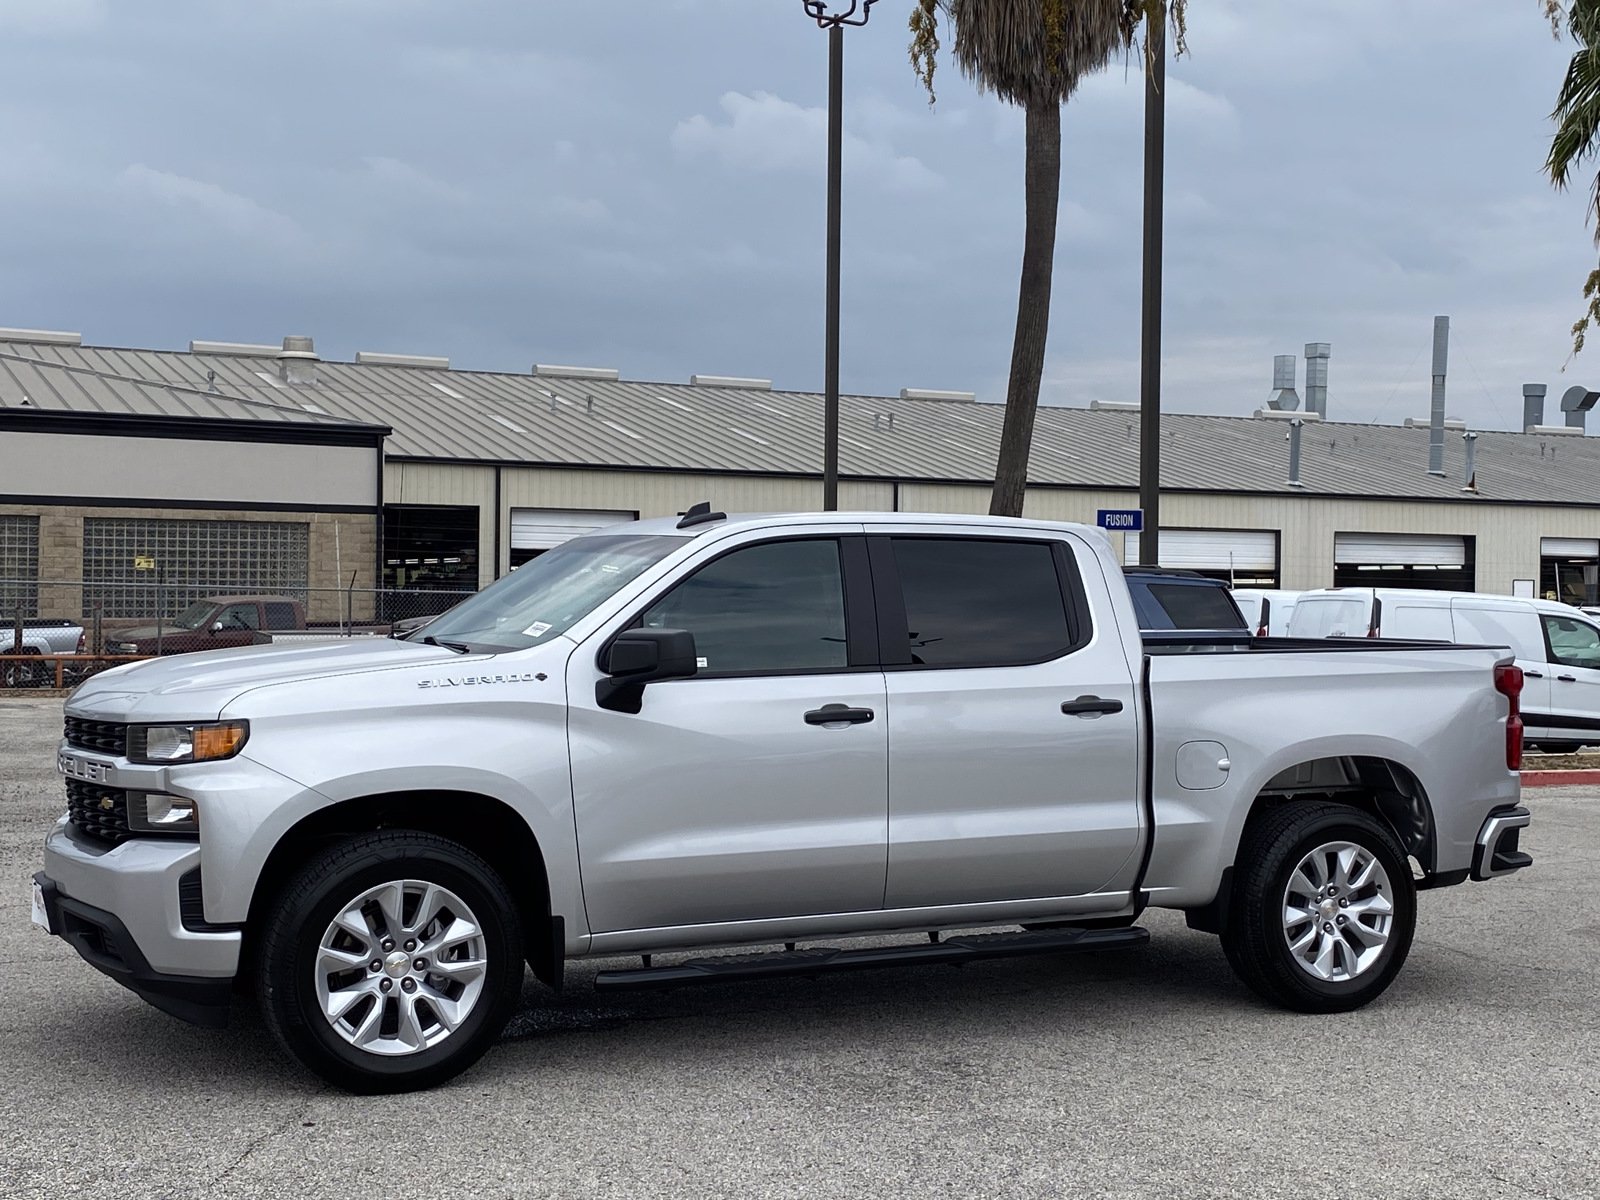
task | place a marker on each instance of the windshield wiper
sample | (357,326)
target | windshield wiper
(458,647)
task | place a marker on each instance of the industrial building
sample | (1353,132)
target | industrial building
(264,467)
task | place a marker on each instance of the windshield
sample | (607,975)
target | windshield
(542,599)
(193,616)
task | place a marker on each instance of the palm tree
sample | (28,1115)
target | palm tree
(1031,53)
(1577,118)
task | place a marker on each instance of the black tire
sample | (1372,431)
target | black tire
(1255,939)
(290,941)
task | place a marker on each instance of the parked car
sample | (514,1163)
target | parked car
(1557,646)
(218,622)
(1167,599)
(1267,611)
(21,668)
(716,732)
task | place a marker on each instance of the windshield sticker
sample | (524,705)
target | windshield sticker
(700,662)
(538,629)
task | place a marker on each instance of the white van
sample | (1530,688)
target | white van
(1267,611)
(1557,646)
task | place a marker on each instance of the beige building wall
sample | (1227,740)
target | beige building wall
(1506,536)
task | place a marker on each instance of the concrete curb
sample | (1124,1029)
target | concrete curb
(1560,778)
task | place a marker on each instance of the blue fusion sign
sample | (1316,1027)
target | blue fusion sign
(1123,520)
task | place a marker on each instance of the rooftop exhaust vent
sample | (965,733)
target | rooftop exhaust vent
(1576,402)
(1284,397)
(41,337)
(234,349)
(1554,430)
(935,394)
(552,371)
(1457,423)
(1113,406)
(297,361)
(370,358)
(731,381)
(1532,406)
(1317,355)
(1441,356)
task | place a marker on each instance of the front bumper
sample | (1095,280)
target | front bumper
(106,945)
(133,894)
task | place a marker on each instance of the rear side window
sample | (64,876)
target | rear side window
(973,602)
(1196,606)
(280,615)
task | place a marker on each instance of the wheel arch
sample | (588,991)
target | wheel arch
(1382,787)
(488,827)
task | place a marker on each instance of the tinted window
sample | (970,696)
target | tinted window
(1196,606)
(773,607)
(1573,643)
(280,615)
(980,603)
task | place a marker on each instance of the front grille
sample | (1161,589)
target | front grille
(100,812)
(107,737)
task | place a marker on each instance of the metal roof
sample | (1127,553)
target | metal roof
(482,416)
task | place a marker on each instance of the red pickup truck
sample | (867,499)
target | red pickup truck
(218,622)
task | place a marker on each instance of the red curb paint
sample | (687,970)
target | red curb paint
(1559,778)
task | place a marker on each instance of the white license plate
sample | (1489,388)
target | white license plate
(41,914)
(74,767)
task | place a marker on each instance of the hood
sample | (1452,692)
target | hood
(199,685)
(141,632)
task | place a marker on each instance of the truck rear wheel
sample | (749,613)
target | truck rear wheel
(390,962)
(1324,908)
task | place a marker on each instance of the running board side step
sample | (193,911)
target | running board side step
(823,959)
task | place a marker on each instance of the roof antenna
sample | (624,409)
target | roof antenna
(589,404)
(700,514)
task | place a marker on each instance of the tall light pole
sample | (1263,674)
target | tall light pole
(834,23)
(1155,137)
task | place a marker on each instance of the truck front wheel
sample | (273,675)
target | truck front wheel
(390,962)
(1324,908)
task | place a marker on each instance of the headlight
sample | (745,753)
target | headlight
(124,648)
(157,812)
(186,743)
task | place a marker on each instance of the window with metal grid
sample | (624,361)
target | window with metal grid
(19,566)
(139,566)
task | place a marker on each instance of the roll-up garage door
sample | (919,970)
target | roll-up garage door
(1399,550)
(1238,550)
(1569,547)
(543,528)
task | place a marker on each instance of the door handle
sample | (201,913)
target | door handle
(1088,706)
(838,714)
(1567,678)
(1534,674)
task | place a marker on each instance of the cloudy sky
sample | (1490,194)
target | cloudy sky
(640,185)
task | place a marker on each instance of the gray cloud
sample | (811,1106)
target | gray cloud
(641,186)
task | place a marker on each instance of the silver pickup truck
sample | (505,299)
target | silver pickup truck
(783,731)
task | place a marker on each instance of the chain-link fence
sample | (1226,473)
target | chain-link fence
(49,617)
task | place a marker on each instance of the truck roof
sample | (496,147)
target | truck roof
(669,525)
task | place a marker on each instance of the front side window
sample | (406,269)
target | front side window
(1573,643)
(772,607)
(974,602)
(240,616)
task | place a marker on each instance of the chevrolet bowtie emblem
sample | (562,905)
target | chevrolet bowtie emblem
(107,803)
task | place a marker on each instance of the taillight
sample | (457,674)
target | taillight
(82,642)
(1508,682)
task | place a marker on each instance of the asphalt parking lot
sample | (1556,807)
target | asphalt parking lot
(1146,1073)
